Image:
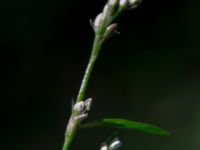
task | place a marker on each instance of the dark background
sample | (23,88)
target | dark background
(149,73)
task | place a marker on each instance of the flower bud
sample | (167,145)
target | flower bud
(123,3)
(110,30)
(115,144)
(97,22)
(134,3)
(104,147)
(106,8)
(88,103)
(79,106)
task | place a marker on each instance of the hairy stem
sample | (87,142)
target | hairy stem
(73,123)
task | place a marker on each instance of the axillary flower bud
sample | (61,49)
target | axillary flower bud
(134,3)
(79,107)
(111,30)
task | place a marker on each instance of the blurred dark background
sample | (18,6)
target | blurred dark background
(149,73)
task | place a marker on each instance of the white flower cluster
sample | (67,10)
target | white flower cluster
(102,23)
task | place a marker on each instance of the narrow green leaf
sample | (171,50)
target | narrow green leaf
(126,124)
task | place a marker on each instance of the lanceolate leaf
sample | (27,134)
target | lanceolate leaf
(126,124)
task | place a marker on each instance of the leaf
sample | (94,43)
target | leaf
(126,124)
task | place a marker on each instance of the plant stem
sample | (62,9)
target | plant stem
(73,123)
(95,51)
(70,133)
(104,29)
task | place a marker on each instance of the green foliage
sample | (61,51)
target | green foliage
(126,124)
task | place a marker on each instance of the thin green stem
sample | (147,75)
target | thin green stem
(73,123)
(95,51)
